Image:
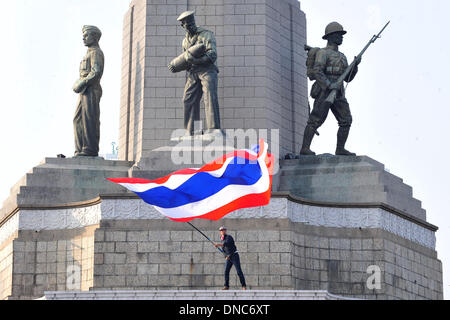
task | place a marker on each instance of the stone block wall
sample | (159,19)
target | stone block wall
(276,255)
(339,264)
(6,266)
(134,258)
(43,261)
(262,80)
(133,73)
(123,244)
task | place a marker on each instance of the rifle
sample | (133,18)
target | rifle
(333,94)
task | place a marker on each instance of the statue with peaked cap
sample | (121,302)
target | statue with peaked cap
(202,75)
(327,66)
(87,116)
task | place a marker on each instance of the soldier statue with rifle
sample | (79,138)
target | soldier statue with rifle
(330,69)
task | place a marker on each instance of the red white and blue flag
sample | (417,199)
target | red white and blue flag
(241,179)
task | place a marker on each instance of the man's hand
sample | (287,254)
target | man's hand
(189,57)
(196,61)
(79,86)
(335,86)
(228,258)
(216,245)
(172,68)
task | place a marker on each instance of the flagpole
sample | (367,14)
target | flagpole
(221,251)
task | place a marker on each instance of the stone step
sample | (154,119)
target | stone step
(56,181)
(85,162)
(78,181)
(150,175)
(339,179)
(75,178)
(364,194)
(406,204)
(188,295)
(344,180)
(342,195)
(16,188)
(56,196)
(315,170)
(329,160)
(350,180)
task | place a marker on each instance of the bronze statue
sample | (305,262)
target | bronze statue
(330,69)
(328,65)
(87,116)
(199,60)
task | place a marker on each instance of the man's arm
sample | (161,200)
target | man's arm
(354,72)
(210,56)
(97,65)
(219,245)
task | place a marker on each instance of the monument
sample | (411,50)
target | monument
(329,64)
(202,76)
(87,115)
(261,84)
(336,224)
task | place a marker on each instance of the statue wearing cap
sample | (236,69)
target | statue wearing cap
(199,57)
(328,65)
(87,116)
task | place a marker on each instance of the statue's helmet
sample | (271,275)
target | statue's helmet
(187,16)
(333,27)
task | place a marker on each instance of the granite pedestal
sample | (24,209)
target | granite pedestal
(347,180)
(116,242)
(58,181)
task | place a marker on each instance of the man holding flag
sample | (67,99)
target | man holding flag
(238,180)
(232,258)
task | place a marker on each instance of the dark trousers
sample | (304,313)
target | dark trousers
(235,261)
(87,122)
(340,109)
(201,85)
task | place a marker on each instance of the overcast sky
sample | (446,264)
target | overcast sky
(400,99)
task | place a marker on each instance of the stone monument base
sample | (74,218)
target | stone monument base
(117,242)
(57,181)
(347,180)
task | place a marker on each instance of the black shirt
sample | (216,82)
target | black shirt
(229,246)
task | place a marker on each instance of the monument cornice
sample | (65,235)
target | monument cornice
(286,195)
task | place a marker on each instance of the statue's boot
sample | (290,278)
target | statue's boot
(343,134)
(307,140)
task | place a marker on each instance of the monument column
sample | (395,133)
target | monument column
(262,79)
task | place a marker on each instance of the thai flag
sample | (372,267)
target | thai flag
(241,179)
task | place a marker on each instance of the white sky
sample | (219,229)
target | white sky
(400,99)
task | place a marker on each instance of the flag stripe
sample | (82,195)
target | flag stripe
(241,179)
(220,199)
(249,201)
(176,180)
(201,186)
(215,166)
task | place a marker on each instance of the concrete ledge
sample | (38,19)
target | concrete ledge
(347,180)
(287,195)
(193,295)
(283,206)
